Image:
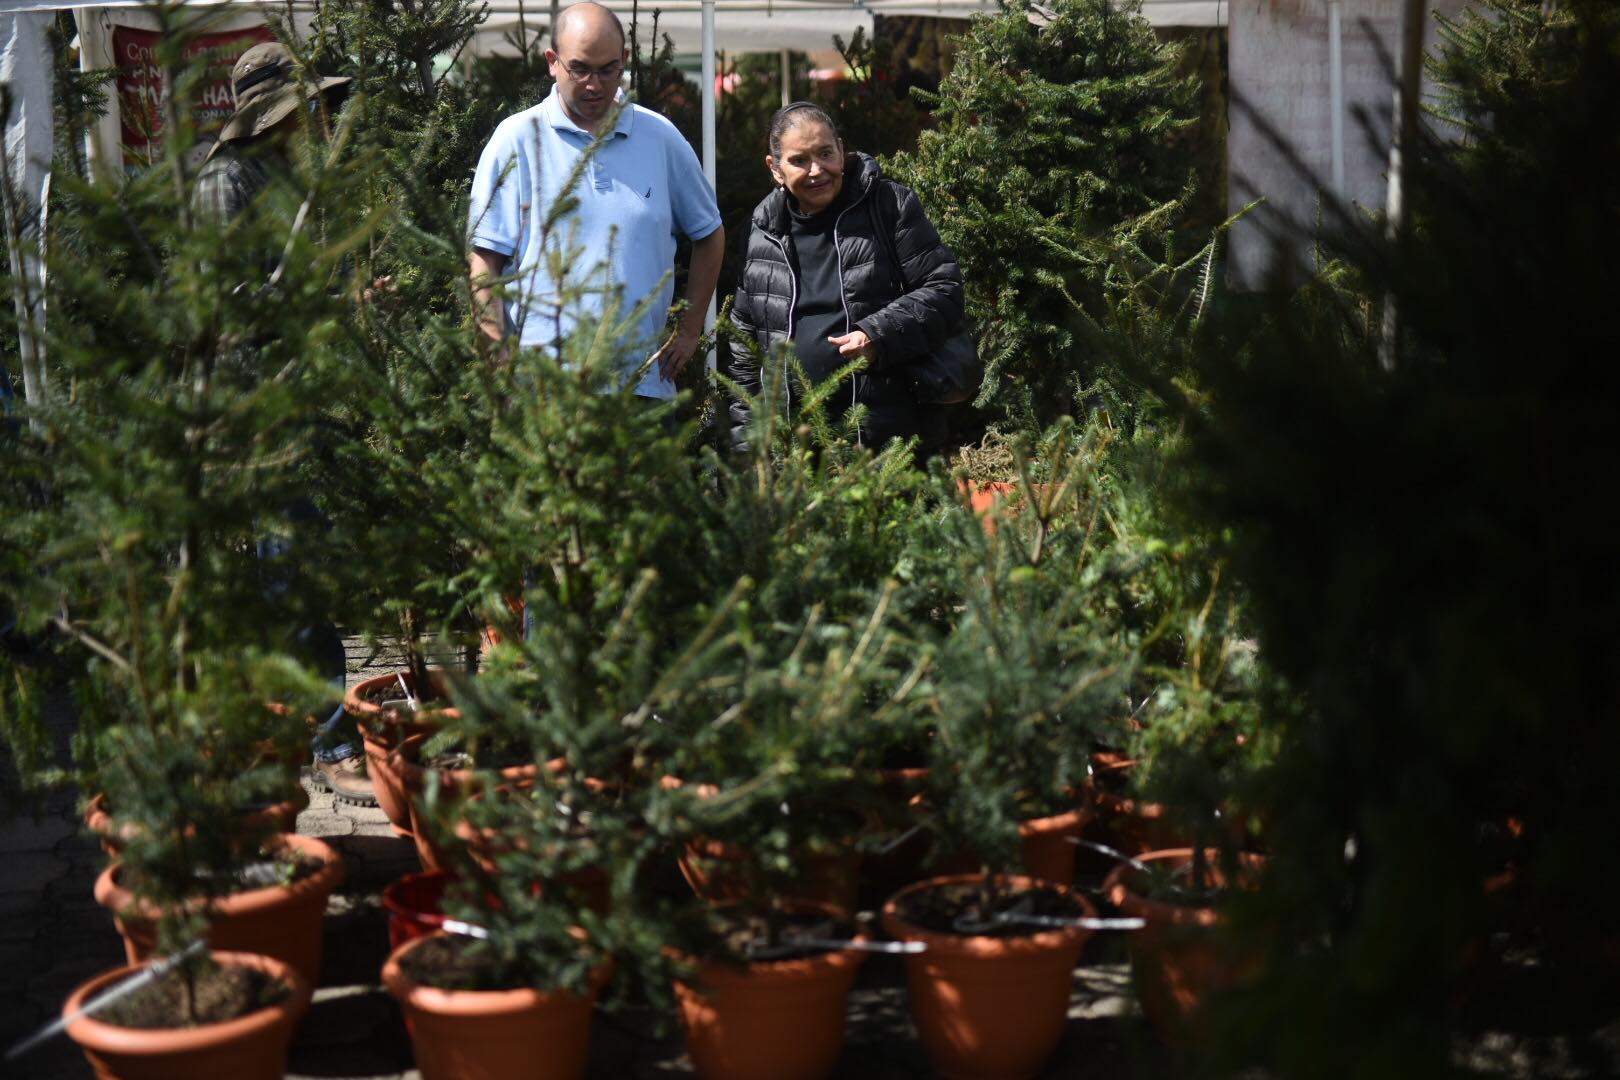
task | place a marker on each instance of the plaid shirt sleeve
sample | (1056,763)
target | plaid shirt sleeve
(224,188)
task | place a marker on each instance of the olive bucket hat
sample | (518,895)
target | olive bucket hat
(267,85)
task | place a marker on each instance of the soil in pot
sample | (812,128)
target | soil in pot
(781,1017)
(248,1006)
(501,1033)
(1177,958)
(990,1004)
(277,913)
(218,993)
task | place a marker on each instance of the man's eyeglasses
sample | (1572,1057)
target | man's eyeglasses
(582,72)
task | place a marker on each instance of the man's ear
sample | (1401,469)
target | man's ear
(551,56)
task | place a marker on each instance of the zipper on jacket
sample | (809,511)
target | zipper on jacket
(843,297)
(793,279)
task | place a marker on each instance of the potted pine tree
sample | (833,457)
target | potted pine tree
(1027,676)
(582,502)
(196,366)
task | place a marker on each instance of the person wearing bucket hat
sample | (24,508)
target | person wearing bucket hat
(271,91)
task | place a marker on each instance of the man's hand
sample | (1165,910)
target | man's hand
(854,344)
(382,288)
(676,352)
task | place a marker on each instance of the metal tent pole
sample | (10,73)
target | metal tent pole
(1402,140)
(708,130)
(1336,93)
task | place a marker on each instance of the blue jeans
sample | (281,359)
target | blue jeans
(319,645)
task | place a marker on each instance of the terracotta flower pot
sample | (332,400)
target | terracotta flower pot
(1126,824)
(251,1047)
(984,496)
(413,779)
(591,883)
(494,1034)
(1047,852)
(1044,848)
(781,1020)
(712,869)
(1176,959)
(901,861)
(281,921)
(383,730)
(988,1008)
(281,817)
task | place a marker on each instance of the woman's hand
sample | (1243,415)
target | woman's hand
(854,344)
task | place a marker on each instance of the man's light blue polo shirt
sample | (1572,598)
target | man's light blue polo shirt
(642,187)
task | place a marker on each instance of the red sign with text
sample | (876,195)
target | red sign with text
(141,90)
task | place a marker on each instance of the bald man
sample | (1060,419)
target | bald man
(641,190)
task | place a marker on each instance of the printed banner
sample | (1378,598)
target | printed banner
(141,90)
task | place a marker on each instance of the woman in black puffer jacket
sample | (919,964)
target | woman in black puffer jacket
(818,274)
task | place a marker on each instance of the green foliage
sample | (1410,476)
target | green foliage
(872,115)
(1051,142)
(817,686)
(1423,569)
(1029,672)
(191,357)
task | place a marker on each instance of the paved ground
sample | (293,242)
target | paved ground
(53,936)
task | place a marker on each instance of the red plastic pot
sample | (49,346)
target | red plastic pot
(1128,825)
(281,817)
(1046,845)
(413,905)
(413,780)
(712,868)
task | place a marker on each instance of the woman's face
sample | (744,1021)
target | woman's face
(811,166)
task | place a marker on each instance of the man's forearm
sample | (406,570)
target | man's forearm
(485,268)
(707,255)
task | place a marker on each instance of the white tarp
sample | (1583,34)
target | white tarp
(25,69)
(752,27)
(802,25)
(1279,78)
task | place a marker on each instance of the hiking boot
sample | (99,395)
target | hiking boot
(346,780)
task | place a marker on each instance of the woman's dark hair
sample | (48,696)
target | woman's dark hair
(792,115)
